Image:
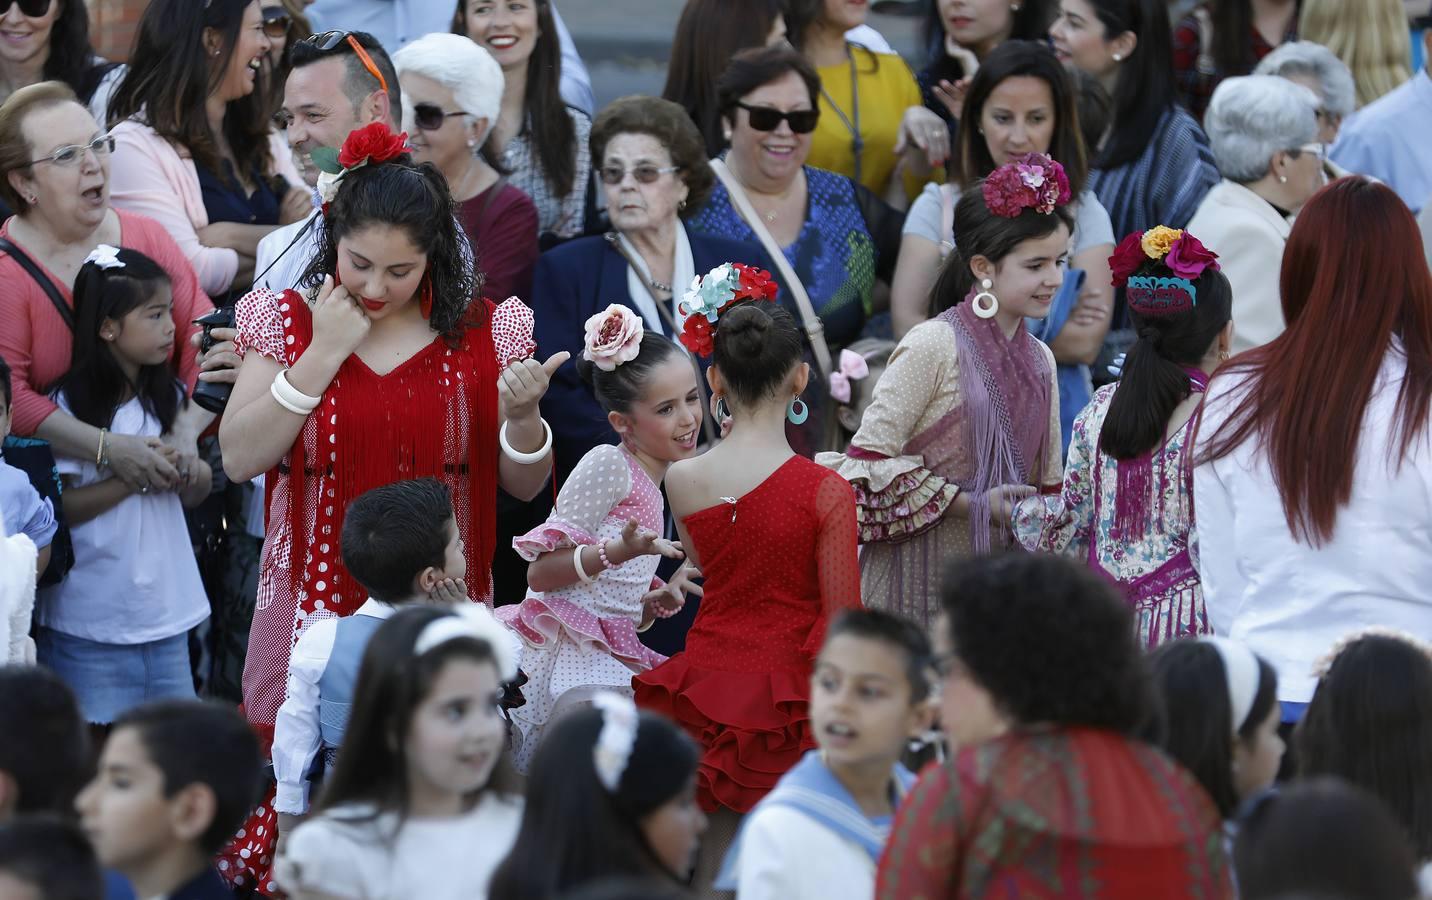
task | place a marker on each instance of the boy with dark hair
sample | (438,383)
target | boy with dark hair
(176,779)
(45,748)
(47,858)
(870,695)
(401,543)
(24,511)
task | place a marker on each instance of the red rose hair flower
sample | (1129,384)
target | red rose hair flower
(1032,181)
(1127,258)
(373,143)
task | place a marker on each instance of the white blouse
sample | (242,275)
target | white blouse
(1290,601)
(341,854)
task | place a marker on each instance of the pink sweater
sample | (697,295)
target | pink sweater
(37,343)
(155,178)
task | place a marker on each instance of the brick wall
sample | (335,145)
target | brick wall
(112,26)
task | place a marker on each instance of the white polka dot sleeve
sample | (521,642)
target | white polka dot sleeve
(260,325)
(599,482)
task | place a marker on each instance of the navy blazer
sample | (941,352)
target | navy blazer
(575,281)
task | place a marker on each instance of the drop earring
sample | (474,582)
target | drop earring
(797,412)
(1118,57)
(985,303)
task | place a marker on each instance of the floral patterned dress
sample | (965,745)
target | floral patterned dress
(1155,568)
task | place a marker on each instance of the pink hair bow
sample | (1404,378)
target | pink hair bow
(852,367)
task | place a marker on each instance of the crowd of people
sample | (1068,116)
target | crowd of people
(997,474)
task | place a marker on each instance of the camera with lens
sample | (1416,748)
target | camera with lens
(210,395)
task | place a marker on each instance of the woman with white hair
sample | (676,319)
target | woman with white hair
(452,92)
(1264,132)
(1319,70)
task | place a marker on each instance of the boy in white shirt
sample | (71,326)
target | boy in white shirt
(401,543)
(819,834)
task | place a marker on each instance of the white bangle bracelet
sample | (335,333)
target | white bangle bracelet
(526,459)
(290,397)
(581,570)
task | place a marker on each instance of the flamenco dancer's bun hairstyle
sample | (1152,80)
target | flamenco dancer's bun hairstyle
(757,346)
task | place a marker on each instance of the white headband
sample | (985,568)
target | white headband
(1240,669)
(617,737)
(471,620)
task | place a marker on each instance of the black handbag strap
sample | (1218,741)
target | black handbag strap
(43,280)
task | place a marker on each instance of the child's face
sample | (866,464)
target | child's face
(666,422)
(124,811)
(1256,759)
(861,705)
(673,830)
(145,335)
(381,268)
(457,734)
(968,713)
(455,553)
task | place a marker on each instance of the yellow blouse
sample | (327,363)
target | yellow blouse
(885,87)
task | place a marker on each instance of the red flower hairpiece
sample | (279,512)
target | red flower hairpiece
(723,286)
(1032,181)
(373,143)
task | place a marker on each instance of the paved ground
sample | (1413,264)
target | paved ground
(626,43)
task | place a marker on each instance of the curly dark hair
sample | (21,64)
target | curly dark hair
(416,199)
(1049,640)
(672,127)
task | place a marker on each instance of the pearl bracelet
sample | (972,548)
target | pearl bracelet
(526,459)
(290,397)
(602,555)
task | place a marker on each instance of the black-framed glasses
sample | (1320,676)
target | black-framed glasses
(32,8)
(329,41)
(71,154)
(643,174)
(431,117)
(765,118)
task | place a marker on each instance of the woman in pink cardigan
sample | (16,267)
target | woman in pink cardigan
(195,151)
(54,169)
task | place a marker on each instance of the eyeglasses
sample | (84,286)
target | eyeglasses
(431,117)
(32,8)
(329,40)
(643,174)
(764,118)
(1319,150)
(275,22)
(71,154)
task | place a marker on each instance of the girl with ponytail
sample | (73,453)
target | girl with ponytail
(965,420)
(1127,503)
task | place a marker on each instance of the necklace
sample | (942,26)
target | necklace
(780,198)
(857,146)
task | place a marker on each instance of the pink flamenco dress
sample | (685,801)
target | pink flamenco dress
(778,563)
(582,639)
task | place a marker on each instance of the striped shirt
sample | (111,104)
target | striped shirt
(1165,184)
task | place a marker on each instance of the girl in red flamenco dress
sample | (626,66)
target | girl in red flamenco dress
(376,371)
(774,534)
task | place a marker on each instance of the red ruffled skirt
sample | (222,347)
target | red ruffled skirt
(753,727)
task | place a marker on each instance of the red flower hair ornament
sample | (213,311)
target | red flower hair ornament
(1032,181)
(723,286)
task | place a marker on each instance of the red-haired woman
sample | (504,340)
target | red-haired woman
(1314,481)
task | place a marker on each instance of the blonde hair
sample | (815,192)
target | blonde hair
(1370,36)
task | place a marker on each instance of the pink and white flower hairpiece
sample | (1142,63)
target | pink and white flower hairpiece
(613,337)
(1032,181)
(851,367)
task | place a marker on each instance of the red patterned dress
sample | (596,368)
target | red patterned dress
(778,562)
(1056,813)
(435,415)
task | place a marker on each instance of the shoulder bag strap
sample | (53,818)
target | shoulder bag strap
(44,281)
(813,328)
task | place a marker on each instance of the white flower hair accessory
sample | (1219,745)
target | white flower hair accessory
(471,620)
(327,186)
(106,257)
(616,739)
(613,337)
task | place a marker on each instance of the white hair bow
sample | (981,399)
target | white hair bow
(105,256)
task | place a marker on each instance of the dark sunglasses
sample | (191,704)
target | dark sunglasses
(431,117)
(329,40)
(764,118)
(275,22)
(32,8)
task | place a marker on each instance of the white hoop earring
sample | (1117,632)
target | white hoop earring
(985,303)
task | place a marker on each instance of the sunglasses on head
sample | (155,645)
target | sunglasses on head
(431,117)
(32,8)
(330,40)
(764,118)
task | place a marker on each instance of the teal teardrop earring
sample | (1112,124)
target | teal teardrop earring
(797,412)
